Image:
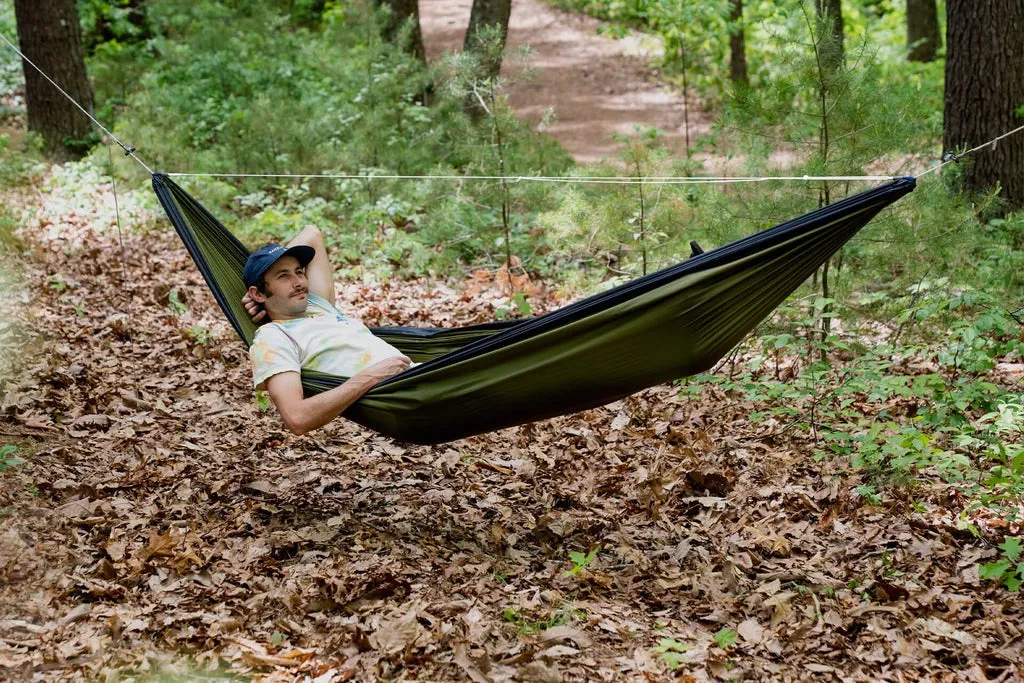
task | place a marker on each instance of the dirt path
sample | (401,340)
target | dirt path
(597,86)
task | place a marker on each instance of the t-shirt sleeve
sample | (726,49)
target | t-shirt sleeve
(272,353)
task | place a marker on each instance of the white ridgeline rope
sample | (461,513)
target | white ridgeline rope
(950,158)
(129,151)
(596,180)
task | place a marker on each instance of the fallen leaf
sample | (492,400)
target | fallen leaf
(462,658)
(396,635)
(751,631)
(566,632)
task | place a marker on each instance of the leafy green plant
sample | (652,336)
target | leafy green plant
(263,401)
(199,334)
(1006,570)
(57,283)
(868,493)
(672,652)
(521,304)
(8,457)
(998,440)
(580,561)
(174,303)
(626,229)
(117,21)
(725,638)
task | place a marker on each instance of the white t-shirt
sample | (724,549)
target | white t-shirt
(324,340)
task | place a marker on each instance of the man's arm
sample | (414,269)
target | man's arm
(319,272)
(301,415)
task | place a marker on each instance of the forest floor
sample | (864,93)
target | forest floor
(154,523)
(597,86)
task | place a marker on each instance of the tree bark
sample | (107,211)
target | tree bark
(984,87)
(488,13)
(737,45)
(405,12)
(831,13)
(923,39)
(50,36)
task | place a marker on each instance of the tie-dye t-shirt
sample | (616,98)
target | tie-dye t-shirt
(325,340)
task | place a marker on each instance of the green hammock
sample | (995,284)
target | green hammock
(676,322)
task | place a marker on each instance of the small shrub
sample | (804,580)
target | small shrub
(1006,570)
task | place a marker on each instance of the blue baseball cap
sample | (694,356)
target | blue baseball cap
(264,257)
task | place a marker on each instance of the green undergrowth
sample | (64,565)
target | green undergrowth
(923,403)
(11,76)
(281,94)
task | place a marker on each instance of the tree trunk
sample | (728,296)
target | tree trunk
(830,12)
(737,45)
(984,86)
(50,36)
(488,13)
(405,12)
(923,38)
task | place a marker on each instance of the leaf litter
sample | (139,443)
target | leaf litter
(163,525)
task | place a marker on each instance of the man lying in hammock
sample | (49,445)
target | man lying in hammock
(293,287)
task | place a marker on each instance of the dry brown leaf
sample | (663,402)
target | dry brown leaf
(751,631)
(468,666)
(565,632)
(99,421)
(539,672)
(397,634)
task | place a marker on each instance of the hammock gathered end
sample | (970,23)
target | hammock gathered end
(670,324)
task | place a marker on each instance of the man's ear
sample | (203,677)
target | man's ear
(256,295)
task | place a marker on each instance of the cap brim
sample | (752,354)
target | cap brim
(302,253)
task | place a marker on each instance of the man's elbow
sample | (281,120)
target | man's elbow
(296,430)
(294,425)
(312,235)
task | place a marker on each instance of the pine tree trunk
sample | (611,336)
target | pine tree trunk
(737,45)
(984,86)
(831,12)
(923,38)
(488,13)
(403,12)
(50,36)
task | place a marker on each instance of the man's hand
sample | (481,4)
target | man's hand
(254,309)
(381,370)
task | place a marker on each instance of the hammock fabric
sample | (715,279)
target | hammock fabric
(670,324)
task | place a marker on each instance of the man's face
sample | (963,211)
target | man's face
(286,289)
